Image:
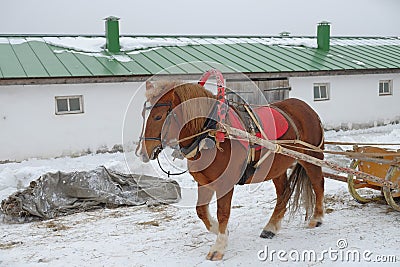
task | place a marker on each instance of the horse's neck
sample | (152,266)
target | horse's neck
(193,126)
(188,132)
(193,112)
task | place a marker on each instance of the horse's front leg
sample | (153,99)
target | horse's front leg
(204,195)
(223,212)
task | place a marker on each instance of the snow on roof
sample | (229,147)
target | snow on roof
(94,46)
(365,41)
(97,44)
(143,44)
(83,44)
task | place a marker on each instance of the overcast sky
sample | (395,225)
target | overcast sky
(212,17)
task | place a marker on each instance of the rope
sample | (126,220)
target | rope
(373,157)
(360,144)
(177,142)
(366,157)
(169,172)
(310,147)
(299,142)
(194,135)
(304,157)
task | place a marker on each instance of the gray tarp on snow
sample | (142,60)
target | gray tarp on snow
(57,194)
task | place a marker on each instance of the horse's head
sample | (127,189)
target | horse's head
(159,104)
(176,110)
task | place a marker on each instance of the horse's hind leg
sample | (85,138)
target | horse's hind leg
(274,223)
(317,181)
(204,195)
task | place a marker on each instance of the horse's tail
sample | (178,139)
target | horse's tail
(299,185)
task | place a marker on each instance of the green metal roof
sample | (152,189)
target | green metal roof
(80,56)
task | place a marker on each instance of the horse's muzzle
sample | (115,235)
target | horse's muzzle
(144,156)
(155,152)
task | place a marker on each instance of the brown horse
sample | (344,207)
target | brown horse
(217,169)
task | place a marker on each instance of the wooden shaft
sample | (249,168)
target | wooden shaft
(335,177)
(300,156)
(360,144)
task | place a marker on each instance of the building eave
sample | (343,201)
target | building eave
(228,76)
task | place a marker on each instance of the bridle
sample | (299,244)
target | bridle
(163,143)
(165,104)
(167,123)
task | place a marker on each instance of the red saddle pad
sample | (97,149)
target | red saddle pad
(274,124)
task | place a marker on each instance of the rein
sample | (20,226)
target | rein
(169,172)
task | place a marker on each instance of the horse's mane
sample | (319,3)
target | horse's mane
(194,111)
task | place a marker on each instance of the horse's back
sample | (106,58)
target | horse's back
(294,105)
(306,119)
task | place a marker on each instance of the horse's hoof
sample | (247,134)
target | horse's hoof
(215,256)
(267,234)
(314,224)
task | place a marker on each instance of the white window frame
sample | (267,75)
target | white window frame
(327,86)
(80,97)
(390,86)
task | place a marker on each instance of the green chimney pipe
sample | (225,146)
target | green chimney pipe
(323,35)
(112,34)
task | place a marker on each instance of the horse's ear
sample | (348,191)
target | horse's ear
(151,91)
(149,85)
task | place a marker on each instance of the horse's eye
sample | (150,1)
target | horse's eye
(157,118)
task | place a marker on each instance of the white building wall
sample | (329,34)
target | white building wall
(354,99)
(30,128)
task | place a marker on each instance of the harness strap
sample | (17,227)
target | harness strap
(141,133)
(252,148)
(290,120)
(256,122)
(261,160)
(209,125)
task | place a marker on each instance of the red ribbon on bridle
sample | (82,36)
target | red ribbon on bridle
(222,107)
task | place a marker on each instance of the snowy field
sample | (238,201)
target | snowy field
(174,236)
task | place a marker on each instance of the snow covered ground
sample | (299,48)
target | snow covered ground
(174,236)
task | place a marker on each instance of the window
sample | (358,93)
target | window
(385,87)
(321,91)
(69,104)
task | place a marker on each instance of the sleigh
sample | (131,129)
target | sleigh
(379,162)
